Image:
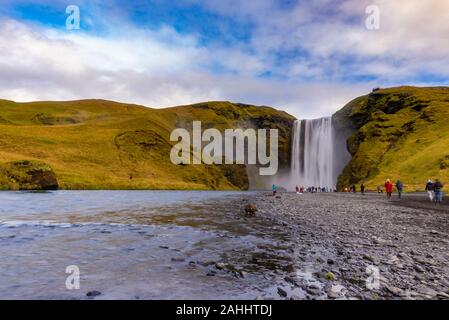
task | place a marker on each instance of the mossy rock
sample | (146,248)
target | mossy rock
(27,175)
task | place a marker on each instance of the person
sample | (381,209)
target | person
(399,187)
(362,189)
(388,188)
(438,189)
(297,190)
(429,189)
(274,188)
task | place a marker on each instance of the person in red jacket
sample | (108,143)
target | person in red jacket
(389,188)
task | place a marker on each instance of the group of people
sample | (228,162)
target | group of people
(300,190)
(434,189)
(389,188)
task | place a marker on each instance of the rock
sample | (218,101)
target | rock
(243,274)
(330,261)
(295,297)
(30,175)
(220,265)
(419,269)
(211,273)
(374,260)
(443,295)
(92,294)
(392,259)
(427,292)
(313,290)
(291,280)
(178,259)
(394,290)
(336,291)
(282,292)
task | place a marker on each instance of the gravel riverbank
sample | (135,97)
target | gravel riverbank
(344,240)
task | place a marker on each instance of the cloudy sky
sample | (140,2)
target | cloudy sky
(306,57)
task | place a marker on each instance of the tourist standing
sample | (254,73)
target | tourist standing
(274,188)
(388,188)
(429,189)
(438,189)
(362,189)
(399,187)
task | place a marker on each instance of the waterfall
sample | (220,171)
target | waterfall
(313,153)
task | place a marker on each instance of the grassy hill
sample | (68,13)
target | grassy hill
(97,144)
(397,133)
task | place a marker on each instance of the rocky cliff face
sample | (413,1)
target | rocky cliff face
(397,133)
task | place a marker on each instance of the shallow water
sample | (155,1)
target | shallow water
(138,245)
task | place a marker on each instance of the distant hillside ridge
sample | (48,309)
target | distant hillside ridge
(99,144)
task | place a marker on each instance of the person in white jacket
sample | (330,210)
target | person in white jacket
(429,189)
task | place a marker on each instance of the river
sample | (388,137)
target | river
(139,245)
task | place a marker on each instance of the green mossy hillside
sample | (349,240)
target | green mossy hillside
(98,144)
(397,133)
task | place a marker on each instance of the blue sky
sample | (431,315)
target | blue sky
(308,58)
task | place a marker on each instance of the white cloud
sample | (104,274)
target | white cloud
(164,68)
(42,64)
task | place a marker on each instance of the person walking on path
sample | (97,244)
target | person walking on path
(438,189)
(274,188)
(399,187)
(388,188)
(362,189)
(429,189)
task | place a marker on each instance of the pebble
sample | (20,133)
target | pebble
(336,291)
(282,292)
(92,294)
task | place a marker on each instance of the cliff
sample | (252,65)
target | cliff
(396,133)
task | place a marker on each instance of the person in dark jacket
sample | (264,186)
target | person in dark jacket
(438,189)
(400,188)
(362,189)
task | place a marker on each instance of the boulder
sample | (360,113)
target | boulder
(27,175)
